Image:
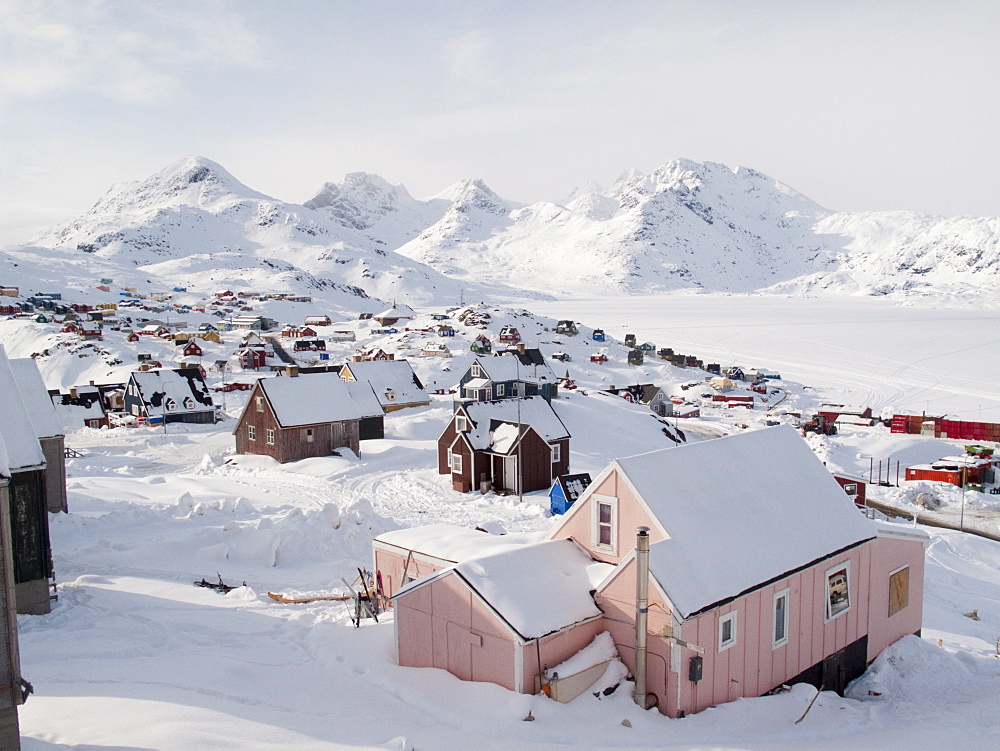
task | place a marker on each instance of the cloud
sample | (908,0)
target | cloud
(131,52)
(468,58)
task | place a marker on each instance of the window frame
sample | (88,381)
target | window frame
(785,594)
(461,423)
(251,432)
(475,370)
(597,502)
(269,436)
(169,405)
(556,449)
(455,462)
(828,613)
(499,389)
(906,603)
(260,403)
(307,436)
(731,617)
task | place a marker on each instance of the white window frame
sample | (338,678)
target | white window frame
(260,403)
(461,423)
(846,567)
(475,371)
(775,641)
(851,488)
(499,389)
(251,433)
(728,618)
(188,402)
(170,405)
(455,462)
(556,452)
(270,436)
(596,502)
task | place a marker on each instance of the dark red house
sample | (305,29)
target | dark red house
(517,445)
(300,416)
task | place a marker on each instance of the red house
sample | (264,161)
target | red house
(300,416)
(192,349)
(252,358)
(517,445)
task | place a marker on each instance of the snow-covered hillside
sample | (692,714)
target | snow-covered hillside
(195,225)
(685,226)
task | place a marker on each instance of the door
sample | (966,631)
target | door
(510,474)
(835,672)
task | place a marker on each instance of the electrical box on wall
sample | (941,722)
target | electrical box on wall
(695,668)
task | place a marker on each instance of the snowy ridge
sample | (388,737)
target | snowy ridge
(695,226)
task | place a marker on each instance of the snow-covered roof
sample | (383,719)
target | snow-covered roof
(316,398)
(158,385)
(397,311)
(537,588)
(454,544)
(390,375)
(20,449)
(515,366)
(533,411)
(505,437)
(740,511)
(36,399)
(86,405)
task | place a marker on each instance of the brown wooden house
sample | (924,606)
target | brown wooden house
(300,416)
(516,445)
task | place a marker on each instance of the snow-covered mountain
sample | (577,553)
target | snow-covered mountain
(195,224)
(687,225)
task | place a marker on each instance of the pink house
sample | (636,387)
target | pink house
(765,575)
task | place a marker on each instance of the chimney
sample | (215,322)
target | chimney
(291,371)
(72,393)
(520,347)
(641,614)
(92,383)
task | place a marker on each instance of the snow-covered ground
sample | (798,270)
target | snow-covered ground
(133,655)
(866,350)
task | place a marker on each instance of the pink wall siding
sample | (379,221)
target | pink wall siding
(888,555)
(391,563)
(753,665)
(578,523)
(444,625)
(556,648)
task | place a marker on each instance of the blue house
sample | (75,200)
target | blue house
(598,335)
(565,490)
(509,374)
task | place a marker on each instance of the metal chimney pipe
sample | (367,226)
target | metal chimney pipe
(641,612)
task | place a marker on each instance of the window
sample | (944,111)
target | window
(270,436)
(170,404)
(838,599)
(779,635)
(188,402)
(251,432)
(390,395)
(556,452)
(851,489)
(307,435)
(455,460)
(605,523)
(499,389)
(899,590)
(461,423)
(475,371)
(727,631)
(260,403)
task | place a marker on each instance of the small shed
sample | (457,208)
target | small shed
(598,335)
(565,490)
(630,340)
(635,357)
(481,345)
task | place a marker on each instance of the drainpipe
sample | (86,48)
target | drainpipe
(641,613)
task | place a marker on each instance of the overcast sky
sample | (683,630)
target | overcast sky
(884,105)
